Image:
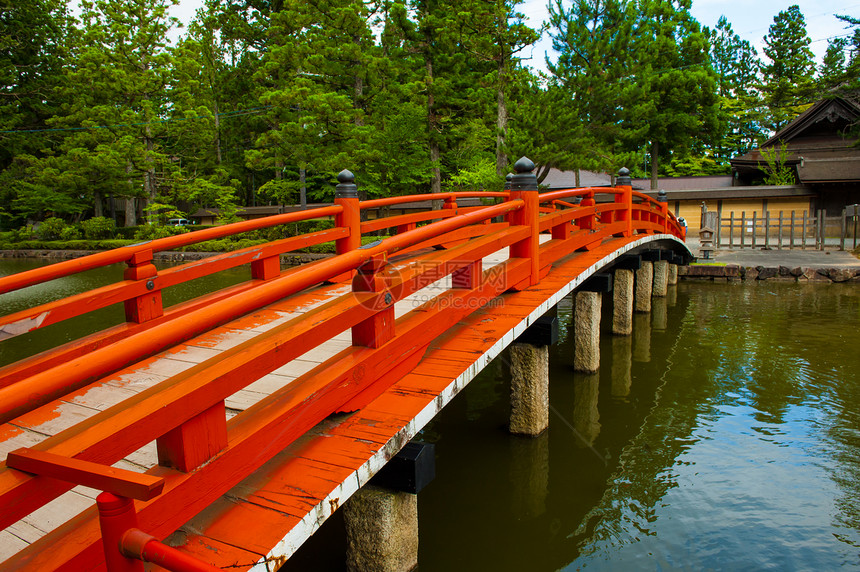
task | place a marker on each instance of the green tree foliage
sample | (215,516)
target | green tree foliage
(840,71)
(590,90)
(679,105)
(264,101)
(116,130)
(736,64)
(787,84)
(33,50)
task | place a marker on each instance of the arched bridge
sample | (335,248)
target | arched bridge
(211,424)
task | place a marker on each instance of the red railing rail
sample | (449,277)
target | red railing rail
(126,547)
(123,254)
(201,454)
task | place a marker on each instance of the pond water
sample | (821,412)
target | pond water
(723,434)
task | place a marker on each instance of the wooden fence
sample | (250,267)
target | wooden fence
(786,230)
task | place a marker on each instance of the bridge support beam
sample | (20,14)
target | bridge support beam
(381,530)
(622,303)
(586,331)
(644,282)
(673,274)
(529,388)
(661,278)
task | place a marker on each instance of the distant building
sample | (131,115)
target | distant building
(820,151)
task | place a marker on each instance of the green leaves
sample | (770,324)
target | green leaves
(787,78)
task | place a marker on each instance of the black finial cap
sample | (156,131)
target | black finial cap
(508,178)
(623,178)
(524,179)
(346,188)
(661,196)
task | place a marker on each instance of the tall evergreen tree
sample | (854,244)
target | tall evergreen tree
(736,64)
(592,92)
(680,105)
(497,33)
(120,86)
(787,78)
(832,73)
(34,49)
(850,86)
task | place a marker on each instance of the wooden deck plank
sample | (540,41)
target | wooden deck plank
(11,544)
(337,455)
(216,552)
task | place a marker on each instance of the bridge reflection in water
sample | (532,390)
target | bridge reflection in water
(225,401)
(750,395)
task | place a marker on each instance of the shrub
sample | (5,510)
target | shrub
(99,228)
(126,232)
(20,234)
(113,243)
(70,233)
(152,231)
(51,229)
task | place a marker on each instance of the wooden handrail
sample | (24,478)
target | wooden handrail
(61,269)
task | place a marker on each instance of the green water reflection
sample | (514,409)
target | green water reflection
(32,343)
(723,434)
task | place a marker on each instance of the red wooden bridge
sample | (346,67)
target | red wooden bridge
(232,425)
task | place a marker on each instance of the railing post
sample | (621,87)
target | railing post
(148,306)
(379,328)
(346,196)
(791,232)
(116,517)
(664,214)
(843,228)
(194,442)
(731,230)
(625,184)
(586,222)
(524,186)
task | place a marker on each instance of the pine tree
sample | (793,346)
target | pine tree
(118,89)
(680,106)
(850,86)
(497,32)
(34,49)
(787,79)
(736,64)
(832,74)
(592,91)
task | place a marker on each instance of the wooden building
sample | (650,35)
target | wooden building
(819,151)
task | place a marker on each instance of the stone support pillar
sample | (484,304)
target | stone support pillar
(381,531)
(529,475)
(622,303)
(586,416)
(644,281)
(621,368)
(661,279)
(529,389)
(673,274)
(641,337)
(586,331)
(659,314)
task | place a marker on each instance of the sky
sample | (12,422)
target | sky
(750,19)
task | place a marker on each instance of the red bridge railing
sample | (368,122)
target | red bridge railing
(201,454)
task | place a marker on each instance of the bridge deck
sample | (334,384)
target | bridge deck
(264,519)
(49,420)
(248,407)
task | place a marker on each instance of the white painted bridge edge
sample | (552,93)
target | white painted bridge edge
(315,518)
